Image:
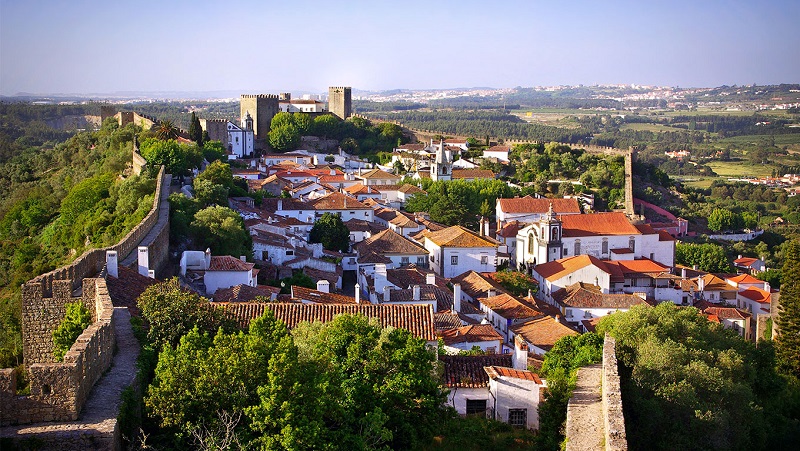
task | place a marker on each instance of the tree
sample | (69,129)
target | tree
(195,130)
(721,220)
(213,151)
(167,131)
(76,320)
(331,232)
(708,257)
(219,173)
(787,344)
(284,137)
(222,230)
(326,126)
(208,193)
(177,158)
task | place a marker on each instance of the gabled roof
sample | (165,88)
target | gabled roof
(756,294)
(726,313)
(470,334)
(320,297)
(411,275)
(360,188)
(581,295)
(457,236)
(472,174)
(498,149)
(529,204)
(125,289)
(746,279)
(389,242)
(466,371)
(443,298)
(378,174)
(337,201)
(244,293)
(228,263)
(510,307)
(745,262)
(417,319)
(360,225)
(476,285)
(495,372)
(557,269)
(446,320)
(638,266)
(543,332)
(509,230)
(597,224)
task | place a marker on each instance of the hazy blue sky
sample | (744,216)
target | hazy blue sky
(105,46)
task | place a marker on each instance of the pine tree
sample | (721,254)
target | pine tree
(787,345)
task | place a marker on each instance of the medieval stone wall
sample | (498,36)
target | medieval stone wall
(613,418)
(340,101)
(58,391)
(262,108)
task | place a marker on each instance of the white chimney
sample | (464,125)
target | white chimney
(358,294)
(324,286)
(520,357)
(243,258)
(430,279)
(112,267)
(144,260)
(280,204)
(207,258)
(457,298)
(683,273)
(151,274)
(694,267)
(767,288)
(701,283)
(416,292)
(489,293)
(387,296)
(739,257)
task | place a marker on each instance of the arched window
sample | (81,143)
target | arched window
(632,243)
(531,239)
(577,247)
(605,245)
(554,234)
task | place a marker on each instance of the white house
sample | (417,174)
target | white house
(749,265)
(583,301)
(218,271)
(504,310)
(730,318)
(499,152)
(465,338)
(391,249)
(516,395)
(301,106)
(456,250)
(528,209)
(240,139)
(377,177)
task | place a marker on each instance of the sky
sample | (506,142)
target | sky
(84,47)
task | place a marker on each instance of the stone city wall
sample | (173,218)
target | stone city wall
(58,391)
(92,261)
(613,418)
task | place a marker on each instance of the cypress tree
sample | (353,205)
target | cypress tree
(787,344)
(195,130)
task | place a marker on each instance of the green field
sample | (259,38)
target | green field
(655,128)
(740,169)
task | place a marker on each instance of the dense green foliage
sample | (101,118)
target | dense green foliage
(517,283)
(76,319)
(347,384)
(787,344)
(177,158)
(331,232)
(222,230)
(458,201)
(687,383)
(559,368)
(707,256)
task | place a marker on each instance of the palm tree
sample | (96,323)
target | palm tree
(167,130)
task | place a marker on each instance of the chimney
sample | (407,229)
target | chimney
(701,283)
(530,294)
(415,291)
(151,274)
(767,288)
(694,267)
(207,259)
(243,258)
(324,286)
(144,260)
(490,293)
(739,257)
(520,358)
(112,267)
(430,279)
(358,294)
(280,204)
(387,294)
(333,172)
(683,273)
(457,298)
(480,226)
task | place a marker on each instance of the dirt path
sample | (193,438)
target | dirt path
(585,428)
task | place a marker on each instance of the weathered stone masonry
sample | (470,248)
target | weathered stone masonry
(613,418)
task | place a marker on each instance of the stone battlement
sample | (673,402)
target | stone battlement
(260,96)
(613,418)
(58,391)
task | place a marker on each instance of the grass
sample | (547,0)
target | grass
(697,182)
(740,169)
(780,140)
(656,128)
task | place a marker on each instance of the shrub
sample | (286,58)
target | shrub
(75,322)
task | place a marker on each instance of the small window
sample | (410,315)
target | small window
(484,259)
(605,245)
(476,406)
(454,260)
(366,213)
(518,417)
(569,313)
(566,252)
(420,260)
(289,252)
(404,260)
(352,261)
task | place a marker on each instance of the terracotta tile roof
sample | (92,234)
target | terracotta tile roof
(596,224)
(320,297)
(557,269)
(529,204)
(472,174)
(745,278)
(411,189)
(295,174)
(756,294)
(638,266)
(337,201)
(581,295)
(244,293)
(317,274)
(417,319)
(509,230)
(446,320)
(359,188)
(622,251)
(411,275)
(495,372)
(455,141)
(470,334)
(498,149)
(745,261)
(645,229)
(396,217)
(378,174)
(360,225)
(389,242)
(510,307)
(443,298)
(457,236)
(726,313)
(228,263)
(543,332)
(270,204)
(126,289)
(476,284)
(711,283)
(466,371)
(663,235)
(591,324)
(417,146)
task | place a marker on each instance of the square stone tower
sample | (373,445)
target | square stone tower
(262,108)
(340,101)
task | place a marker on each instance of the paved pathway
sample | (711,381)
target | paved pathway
(97,423)
(585,428)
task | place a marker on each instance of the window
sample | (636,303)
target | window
(420,260)
(454,260)
(484,259)
(476,406)
(554,234)
(518,417)
(569,313)
(530,243)
(566,252)
(605,245)
(366,213)
(577,247)
(352,261)
(289,252)
(632,243)
(491,350)
(404,261)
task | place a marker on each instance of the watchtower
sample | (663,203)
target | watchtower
(340,101)
(262,108)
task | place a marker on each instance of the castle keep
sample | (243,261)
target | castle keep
(262,108)
(340,101)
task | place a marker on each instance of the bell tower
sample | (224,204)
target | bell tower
(442,165)
(550,246)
